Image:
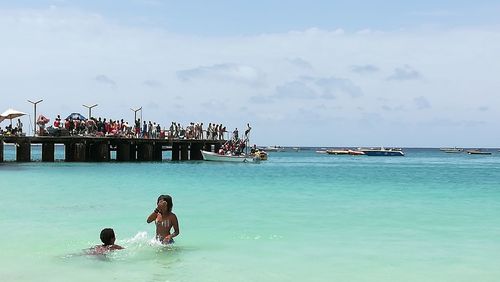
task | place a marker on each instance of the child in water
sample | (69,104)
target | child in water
(108,239)
(165,220)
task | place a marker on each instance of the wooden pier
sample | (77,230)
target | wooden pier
(98,149)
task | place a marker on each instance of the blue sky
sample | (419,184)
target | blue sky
(326,73)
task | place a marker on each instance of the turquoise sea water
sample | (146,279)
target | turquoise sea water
(302,216)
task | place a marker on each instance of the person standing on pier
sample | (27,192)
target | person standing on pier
(247,131)
(165,220)
(19,126)
(235,134)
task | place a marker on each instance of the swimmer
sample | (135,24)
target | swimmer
(108,239)
(165,220)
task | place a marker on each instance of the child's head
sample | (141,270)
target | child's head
(108,236)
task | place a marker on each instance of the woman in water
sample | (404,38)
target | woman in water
(165,220)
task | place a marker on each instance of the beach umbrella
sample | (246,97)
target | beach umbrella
(11,114)
(76,116)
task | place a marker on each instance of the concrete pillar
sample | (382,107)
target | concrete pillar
(48,150)
(175,151)
(145,152)
(79,152)
(102,150)
(184,152)
(133,152)
(1,151)
(23,152)
(157,152)
(196,152)
(68,152)
(123,152)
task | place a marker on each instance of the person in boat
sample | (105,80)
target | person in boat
(165,220)
(108,243)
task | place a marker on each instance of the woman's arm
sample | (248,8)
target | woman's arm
(152,216)
(176,227)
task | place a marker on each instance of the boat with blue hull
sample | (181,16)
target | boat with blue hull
(382,152)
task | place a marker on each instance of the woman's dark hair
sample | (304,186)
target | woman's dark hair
(167,199)
(107,236)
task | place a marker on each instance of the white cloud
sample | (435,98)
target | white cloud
(422,103)
(104,79)
(225,72)
(404,73)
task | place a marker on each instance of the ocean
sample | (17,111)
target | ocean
(300,216)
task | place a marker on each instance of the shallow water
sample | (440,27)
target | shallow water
(429,216)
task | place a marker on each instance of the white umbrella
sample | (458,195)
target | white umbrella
(11,114)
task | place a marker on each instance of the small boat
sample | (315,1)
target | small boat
(478,152)
(274,149)
(356,153)
(391,152)
(321,152)
(452,150)
(261,154)
(211,156)
(337,152)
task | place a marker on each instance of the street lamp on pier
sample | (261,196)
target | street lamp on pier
(34,114)
(135,113)
(90,109)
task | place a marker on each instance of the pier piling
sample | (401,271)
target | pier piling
(1,151)
(23,152)
(123,152)
(175,151)
(157,152)
(145,152)
(184,152)
(48,150)
(195,152)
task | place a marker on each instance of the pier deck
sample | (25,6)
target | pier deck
(98,149)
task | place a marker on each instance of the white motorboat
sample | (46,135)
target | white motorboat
(210,156)
(274,149)
(452,150)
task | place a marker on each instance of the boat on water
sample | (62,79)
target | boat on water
(478,152)
(385,152)
(452,150)
(261,154)
(337,152)
(345,152)
(211,156)
(321,152)
(274,149)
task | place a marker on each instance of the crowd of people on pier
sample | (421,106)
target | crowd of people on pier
(103,127)
(16,130)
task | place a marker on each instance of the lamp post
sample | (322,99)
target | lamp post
(135,113)
(34,114)
(90,109)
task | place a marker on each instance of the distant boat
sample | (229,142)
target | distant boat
(345,152)
(337,152)
(452,150)
(321,151)
(210,156)
(274,149)
(391,152)
(478,152)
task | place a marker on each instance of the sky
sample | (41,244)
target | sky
(302,73)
